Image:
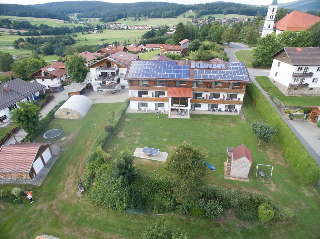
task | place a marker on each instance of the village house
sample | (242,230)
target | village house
(296,71)
(51,76)
(109,72)
(152,47)
(90,57)
(296,21)
(14,91)
(185,43)
(176,87)
(111,50)
(174,50)
(24,161)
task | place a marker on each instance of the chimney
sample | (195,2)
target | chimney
(187,61)
(6,88)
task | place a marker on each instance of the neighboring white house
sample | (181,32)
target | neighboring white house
(14,91)
(51,76)
(185,43)
(109,72)
(296,71)
(269,22)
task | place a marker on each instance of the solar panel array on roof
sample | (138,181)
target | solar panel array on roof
(201,65)
(236,72)
(158,69)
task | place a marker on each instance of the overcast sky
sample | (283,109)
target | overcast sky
(252,2)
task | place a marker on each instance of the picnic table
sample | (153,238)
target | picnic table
(150,151)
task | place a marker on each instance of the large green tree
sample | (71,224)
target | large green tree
(264,131)
(6,61)
(217,31)
(281,13)
(26,67)
(188,171)
(266,47)
(179,34)
(76,68)
(295,39)
(191,31)
(315,32)
(27,116)
(229,35)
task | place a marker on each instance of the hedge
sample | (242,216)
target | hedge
(302,162)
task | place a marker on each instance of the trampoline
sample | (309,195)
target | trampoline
(53,133)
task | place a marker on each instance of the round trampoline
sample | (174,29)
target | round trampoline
(53,133)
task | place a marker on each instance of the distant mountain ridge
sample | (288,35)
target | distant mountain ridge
(302,5)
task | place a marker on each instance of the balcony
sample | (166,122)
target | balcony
(217,101)
(304,75)
(306,85)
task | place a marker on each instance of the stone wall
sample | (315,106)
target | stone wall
(15,176)
(296,91)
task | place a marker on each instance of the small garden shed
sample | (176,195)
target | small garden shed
(239,162)
(76,107)
(24,161)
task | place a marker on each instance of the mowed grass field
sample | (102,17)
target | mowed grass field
(58,211)
(245,56)
(267,85)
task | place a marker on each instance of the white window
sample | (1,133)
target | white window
(144,104)
(197,105)
(315,80)
(318,68)
(279,63)
(183,82)
(296,80)
(300,68)
(219,84)
(276,74)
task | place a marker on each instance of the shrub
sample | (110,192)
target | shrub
(217,48)
(42,96)
(283,214)
(197,212)
(255,63)
(306,110)
(17,193)
(6,192)
(302,162)
(212,208)
(265,212)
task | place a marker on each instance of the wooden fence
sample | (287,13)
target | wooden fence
(8,136)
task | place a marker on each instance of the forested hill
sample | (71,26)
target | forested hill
(303,5)
(114,11)
(29,11)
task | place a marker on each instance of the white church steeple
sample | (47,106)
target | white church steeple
(268,24)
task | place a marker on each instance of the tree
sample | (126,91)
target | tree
(194,46)
(229,35)
(47,49)
(266,47)
(26,67)
(123,168)
(264,131)
(315,32)
(281,13)
(4,78)
(188,170)
(265,212)
(179,34)
(218,30)
(27,116)
(160,230)
(6,61)
(295,39)
(191,31)
(76,68)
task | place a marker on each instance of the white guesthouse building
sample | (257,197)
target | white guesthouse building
(296,71)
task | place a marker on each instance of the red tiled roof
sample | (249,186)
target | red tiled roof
(184,41)
(296,21)
(18,157)
(180,92)
(8,73)
(87,55)
(173,48)
(123,58)
(59,69)
(134,48)
(152,46)
(240,151)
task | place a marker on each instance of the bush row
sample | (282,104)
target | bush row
(43,123)
(11,192)
(92,163)
(302,162)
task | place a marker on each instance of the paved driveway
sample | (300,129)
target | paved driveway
(306,131)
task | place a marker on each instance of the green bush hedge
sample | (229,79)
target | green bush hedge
(302,162)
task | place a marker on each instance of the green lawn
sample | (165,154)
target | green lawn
(64,215)
(5,131)
(267,85)
(245,56)
(149,55)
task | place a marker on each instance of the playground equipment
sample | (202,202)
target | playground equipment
(210,166)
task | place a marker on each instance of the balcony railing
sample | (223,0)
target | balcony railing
(298,85)
(296,74)
(101,68)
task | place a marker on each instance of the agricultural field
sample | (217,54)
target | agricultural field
(228,16)
(267,85)
(64,215)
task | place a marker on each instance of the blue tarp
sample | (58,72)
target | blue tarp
(210,166)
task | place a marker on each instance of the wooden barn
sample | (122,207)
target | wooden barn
(239,162)
(25,160)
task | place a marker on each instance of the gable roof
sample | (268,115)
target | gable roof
(302,55)
(87,55)
(296,21)
(123,58)
(173,48)
(17,90)
(18,158)
(241,151)
(161,57)
(112,49)
(57,69)
(184,41)
(134,48)
(152,46)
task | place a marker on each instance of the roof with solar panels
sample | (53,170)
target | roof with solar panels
(214,70)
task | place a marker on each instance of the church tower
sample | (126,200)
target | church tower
(268,24)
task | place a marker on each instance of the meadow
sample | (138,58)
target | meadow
(58,211)
(228,16)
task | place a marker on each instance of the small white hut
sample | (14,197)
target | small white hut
(239,160)
(76,107)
